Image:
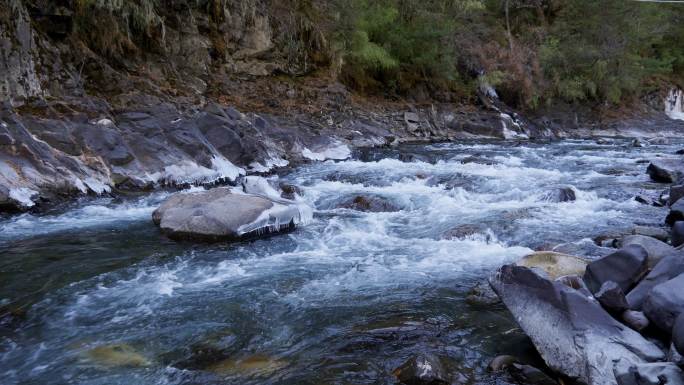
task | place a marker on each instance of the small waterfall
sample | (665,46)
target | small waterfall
(673,104)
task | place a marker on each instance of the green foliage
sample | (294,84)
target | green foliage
(603,50)
(393,45)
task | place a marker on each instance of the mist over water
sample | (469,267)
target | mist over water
(345,299)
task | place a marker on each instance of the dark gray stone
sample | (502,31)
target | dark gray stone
(678,233)
(502,362)
(611,297)
(635,319)
(424,369)
(676,192)
(665,303)
(665,170)
(369,203)
(624,267)
(482,294)
(678,334)
(676,213)
(668,268)
(560,194)
(573,333)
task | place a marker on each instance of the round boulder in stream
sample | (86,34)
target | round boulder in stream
(220,214)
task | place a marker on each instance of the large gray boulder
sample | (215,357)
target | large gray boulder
(573,334)
(668,268)
(624,267)
(665,303)
(221,214)
(656,249)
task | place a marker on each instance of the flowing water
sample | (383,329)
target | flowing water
(99,296)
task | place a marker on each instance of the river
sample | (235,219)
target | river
(102,297)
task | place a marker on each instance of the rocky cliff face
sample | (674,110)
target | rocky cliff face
(102,96)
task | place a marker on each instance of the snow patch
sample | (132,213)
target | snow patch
(339,151)
(23,196)
(97,186)
(268,164)
(191,172)
(673,104)
(257,185)
(80,185)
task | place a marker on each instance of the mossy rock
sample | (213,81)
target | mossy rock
(554,264)
(256,365)
(117,355)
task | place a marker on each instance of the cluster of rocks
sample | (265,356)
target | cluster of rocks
(613,315)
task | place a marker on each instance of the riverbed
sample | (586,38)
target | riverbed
(101,297)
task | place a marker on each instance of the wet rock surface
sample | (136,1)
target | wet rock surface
(574,335)
(220,214)
(624,267)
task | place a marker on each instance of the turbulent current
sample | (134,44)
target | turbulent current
(99,296)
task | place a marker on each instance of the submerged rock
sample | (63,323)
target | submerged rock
(624,267)
(117,355)
(369,203)
(424,369)
(527,374)
(668,268)
(573,334)
(554,264)
(466,231)
(256,365)
(560,194)
(665,303)
(482,294)
(219,214)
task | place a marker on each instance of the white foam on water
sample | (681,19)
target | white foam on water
(257,185)
(338,151)
(90,215)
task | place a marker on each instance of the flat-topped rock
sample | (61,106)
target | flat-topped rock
(221,214)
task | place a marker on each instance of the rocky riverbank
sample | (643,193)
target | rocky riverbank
(605,319)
